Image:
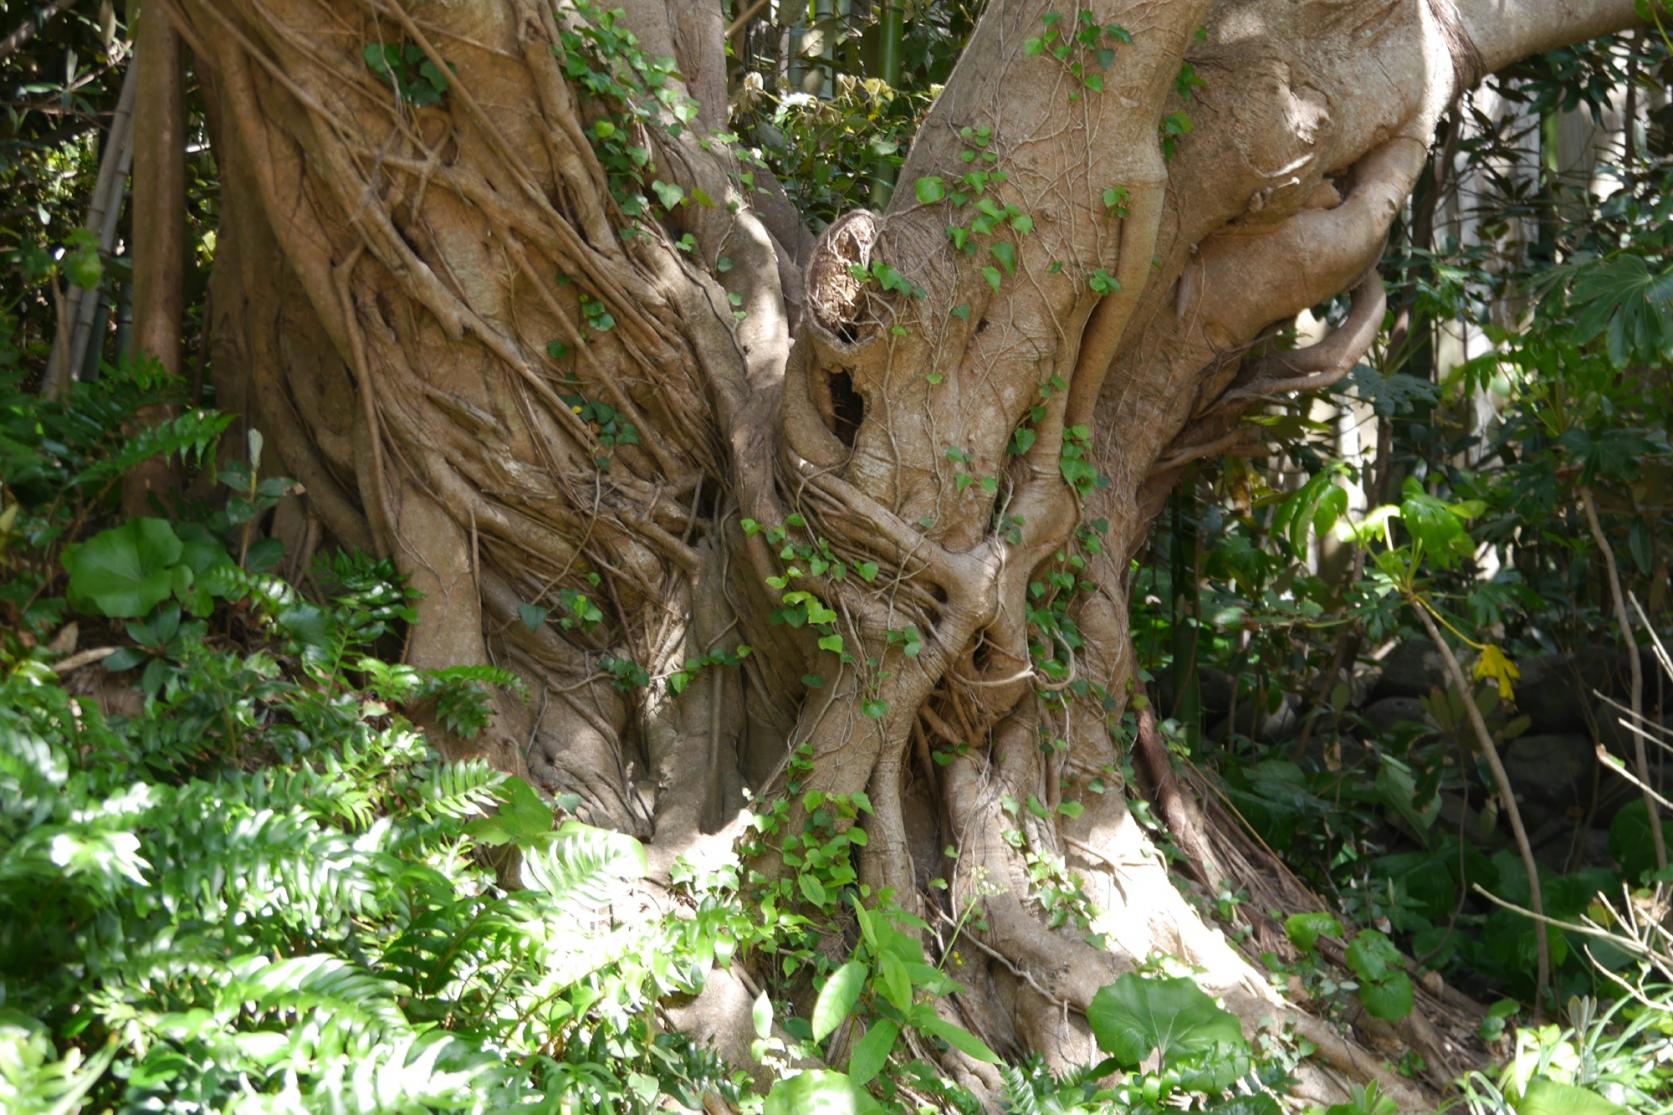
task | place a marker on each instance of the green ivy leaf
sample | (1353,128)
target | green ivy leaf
(930,190)
(669,194)
(1006,253)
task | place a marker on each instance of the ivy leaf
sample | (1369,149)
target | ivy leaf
(1006,253)
(991,274)
(837,998)
(669,194)
(532,615)
(127,570)
(930,190)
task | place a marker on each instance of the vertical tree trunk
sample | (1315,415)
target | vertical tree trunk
(159,224)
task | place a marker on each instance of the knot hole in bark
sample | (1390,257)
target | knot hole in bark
(840,405)
(836,275)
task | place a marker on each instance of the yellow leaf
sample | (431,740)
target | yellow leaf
(1493,664)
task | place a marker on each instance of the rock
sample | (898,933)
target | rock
(1386,714)
(1411,669)
(1553,770)
(1277,726)
(1553,694)
(1213,686)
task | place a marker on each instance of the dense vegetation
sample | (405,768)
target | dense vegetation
(1412,676)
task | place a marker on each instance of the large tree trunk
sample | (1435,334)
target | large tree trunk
(447,319)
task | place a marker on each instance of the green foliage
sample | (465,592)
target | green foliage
(1199,1042)
(409,71)
(1384,987)
(261,888)
(634,92)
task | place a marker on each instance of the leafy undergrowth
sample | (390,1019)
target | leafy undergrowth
(234,876)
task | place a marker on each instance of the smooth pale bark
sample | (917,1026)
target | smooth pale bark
(431,360)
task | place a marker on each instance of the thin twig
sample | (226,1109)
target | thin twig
(1506,794)
(82,658)
(1618,599)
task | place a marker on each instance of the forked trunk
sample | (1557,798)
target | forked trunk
(503,297)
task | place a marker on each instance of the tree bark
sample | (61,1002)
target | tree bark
(159,227)
(495,347)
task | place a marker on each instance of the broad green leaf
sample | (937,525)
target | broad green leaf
(1435,525)
(1398,787)
(1006,253)
(1135,1016)
(837,998)
(1389,999)
(812,889)
(1372,956)
(1548,1097)
(1304,930)
(819,1092)
(872,1051)
(926,1020)
(522,816)
(127,570)
(897,984)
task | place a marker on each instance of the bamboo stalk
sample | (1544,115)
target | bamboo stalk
(79,308)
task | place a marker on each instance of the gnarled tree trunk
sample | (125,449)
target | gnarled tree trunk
(541,334)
